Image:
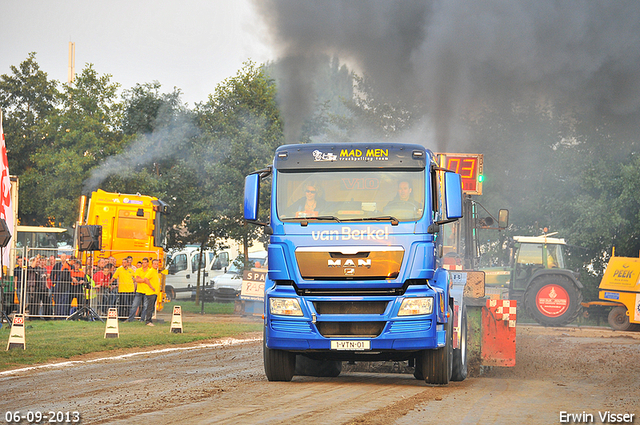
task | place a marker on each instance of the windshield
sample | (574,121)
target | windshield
(532,254)
(350,195)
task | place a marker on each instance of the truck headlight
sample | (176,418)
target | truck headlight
(285,306)
(416,306)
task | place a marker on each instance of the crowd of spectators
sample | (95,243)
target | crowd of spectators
(57,286)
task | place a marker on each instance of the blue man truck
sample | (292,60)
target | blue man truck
(355,271)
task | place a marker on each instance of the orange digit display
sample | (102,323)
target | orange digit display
(469,166)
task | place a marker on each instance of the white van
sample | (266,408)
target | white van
(230,283)
(183,270)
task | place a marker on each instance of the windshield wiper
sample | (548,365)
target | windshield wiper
(394,221)
(323,217)
(319,217)
(305,221)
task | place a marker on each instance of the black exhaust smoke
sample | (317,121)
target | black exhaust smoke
(451,55)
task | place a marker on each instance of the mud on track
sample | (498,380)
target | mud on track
(558,369)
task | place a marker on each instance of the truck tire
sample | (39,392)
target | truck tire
(279,365)
(169,293)
(619,320)
(417,369)
(553,300)
(460,362)
(437,365)
(318,368)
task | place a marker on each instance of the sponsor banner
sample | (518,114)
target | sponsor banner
(253,285)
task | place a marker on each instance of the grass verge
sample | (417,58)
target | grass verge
(209,308)
(48,341)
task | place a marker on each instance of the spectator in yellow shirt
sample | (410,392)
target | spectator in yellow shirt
(126,286)
(144,287)
(150,298)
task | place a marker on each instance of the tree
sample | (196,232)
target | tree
(158,129)
(241,127)
(330,86)
(75,139)
(374,115)
(27,98)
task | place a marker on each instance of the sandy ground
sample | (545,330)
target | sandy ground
(558,370)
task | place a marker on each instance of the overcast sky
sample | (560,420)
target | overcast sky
(189,44)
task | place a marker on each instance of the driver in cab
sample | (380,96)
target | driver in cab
(310,204)
(404,197)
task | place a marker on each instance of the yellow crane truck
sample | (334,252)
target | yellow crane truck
(620,289)
(129,225)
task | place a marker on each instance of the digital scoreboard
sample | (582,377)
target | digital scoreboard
(469,166)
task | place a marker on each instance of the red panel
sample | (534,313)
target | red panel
(499,333)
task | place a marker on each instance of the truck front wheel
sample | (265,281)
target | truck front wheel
(437,365)
(553,300)
(279,365)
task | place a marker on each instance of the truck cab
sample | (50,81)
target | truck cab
(353,258)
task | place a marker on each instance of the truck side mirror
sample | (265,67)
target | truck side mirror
(453,195)
(251,196)
(503,219)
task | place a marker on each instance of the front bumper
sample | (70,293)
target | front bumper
(386,331)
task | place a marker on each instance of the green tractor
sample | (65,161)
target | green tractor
(538,280)
(532,270)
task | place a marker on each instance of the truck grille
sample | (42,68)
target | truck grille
(350,329)
(330,263)
(350,307)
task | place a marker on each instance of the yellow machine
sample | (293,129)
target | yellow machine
(620,288)
(131,225)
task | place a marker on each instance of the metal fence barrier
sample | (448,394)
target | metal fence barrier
(46,284)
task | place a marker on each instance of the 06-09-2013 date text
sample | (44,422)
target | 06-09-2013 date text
(14,417)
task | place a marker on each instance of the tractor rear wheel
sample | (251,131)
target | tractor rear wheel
(553,300)
(619,320)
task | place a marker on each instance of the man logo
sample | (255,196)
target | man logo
(350,263)
(349,272)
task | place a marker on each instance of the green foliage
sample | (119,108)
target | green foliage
(572,170)
(159,130)
(567,170)
(75,139)
(209,308)
(331,87)
(27,98)
(241,128)
(374,115)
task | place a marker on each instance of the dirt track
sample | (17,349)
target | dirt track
(561,369)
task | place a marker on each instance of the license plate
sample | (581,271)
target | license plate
(351,345)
